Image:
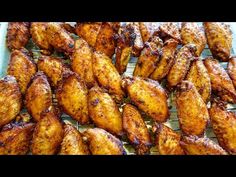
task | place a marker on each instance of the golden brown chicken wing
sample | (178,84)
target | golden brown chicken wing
(191,110)
(125,42)
(22,67)
(199,76)
(221,83)
(103,111)
(136,129)
(73,143)
(59,38)
(224,125)
(191,33)
(40,38)
(148,96)
(10,99)
(167,59)
(72,97)
(219,39)
(194,145)
(18,34)
(48,134)
(232,69)
(53,68)
(107,75)
(103,143)
(88,31)
(15,139)
(181,65)
(169,30)
(148,29)
(148,58)
(167,141)
(38,97)
(105,42)
(82,62)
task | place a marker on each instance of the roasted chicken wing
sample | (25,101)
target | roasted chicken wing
(103,143)
(148,29)
(10,99)
(232,69)
(169,30)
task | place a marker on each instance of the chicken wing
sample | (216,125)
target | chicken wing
(148,96)
(82,62)
(103,143)
(73,143)
(18,34)
(103,111)
(169,30)
(194,145)
(88,31)
(199,76)
(148,58)
(224,125)
(107,75)
(59,38)
(48,134)
(219,39)
(10,99)
(221,83)
(15,139)
(38,97)
(191,110)
(232,69)
(136,129)
(125,42)
(53,68)
(191,33)
(40,38)
(21,67)
(72,97)
(148,29)
(167,141)
(181,65)
(167,59)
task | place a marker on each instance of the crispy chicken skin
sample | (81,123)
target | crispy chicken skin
(232,69)
(103,143)
(48,134)
(148,58)
(22,67)
(192,33)
(88,31)
(199,76)
(10,99)
(147,30)
(136,129)
(219,39)
(107,75)
(53,68)
(38,97)
(40,38)
(73,143)
(167,141)
(68,27)
(104,112)
(166,61)
(18,34)
(148,96)
(106,42)
(72,97)
(82,63)
(59,38)
(169,30)
(194,145)
(191,110)
(125,41)
(15,139)
(181,65)
(221,83)
(224,125)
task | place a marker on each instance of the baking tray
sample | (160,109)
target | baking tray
(172,122)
